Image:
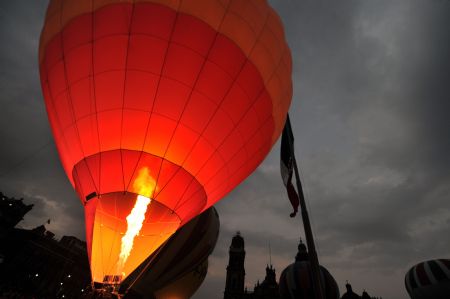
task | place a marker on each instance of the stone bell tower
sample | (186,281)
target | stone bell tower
(234,287)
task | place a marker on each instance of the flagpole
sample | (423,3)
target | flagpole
(314,261)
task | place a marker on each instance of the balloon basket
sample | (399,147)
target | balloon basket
(109,289)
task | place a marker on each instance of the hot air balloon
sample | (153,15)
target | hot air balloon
(186,286)
(158,110)
(182,259)
(429,279)
(296,280)
(182,288)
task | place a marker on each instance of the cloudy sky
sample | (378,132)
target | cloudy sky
(371,120)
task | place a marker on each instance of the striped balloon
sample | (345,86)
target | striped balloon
(296,282)
(429,279)
(183,253)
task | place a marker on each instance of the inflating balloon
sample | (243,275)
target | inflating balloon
(185,286)
(158,110)
(186,251)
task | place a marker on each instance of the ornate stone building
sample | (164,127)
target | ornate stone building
(269,288)
(234,285)
(235,281)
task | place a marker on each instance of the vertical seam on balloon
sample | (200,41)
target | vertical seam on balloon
(124,88)
(96,118)
(215,112)
(154,98)
(217,34)
(94,98)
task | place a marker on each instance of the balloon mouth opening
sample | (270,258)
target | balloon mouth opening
(122,230)
(141,173)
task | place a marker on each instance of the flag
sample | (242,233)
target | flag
(287,165)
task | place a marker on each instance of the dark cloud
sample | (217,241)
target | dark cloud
(371,120)
(370,114)
(29,164)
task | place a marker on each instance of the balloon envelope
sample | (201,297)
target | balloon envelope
(429,279)
(181,98)
(186,286)
(183,253)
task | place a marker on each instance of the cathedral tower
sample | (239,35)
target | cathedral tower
(234,287)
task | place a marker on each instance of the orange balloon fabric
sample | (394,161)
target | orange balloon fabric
(196,92)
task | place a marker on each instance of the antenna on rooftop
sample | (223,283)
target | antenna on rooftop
(270,255)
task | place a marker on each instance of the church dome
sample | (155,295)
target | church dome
(295,280)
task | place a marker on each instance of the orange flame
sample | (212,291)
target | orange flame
(144,185)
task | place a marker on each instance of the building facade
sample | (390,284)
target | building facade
(36,265)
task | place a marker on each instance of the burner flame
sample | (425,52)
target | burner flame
(144,185)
